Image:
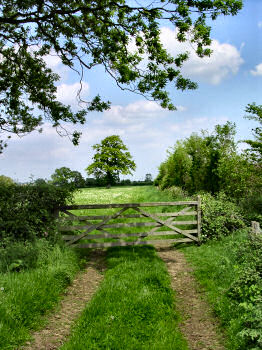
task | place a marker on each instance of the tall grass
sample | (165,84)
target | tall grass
(27,295)
(215,267)
(133,309)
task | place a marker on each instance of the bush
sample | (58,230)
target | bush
(220,217)
(246,291)
(176,192)
(27,211)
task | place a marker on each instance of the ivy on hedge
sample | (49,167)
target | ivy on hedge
(27,211)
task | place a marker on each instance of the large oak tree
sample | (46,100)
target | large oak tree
(111,159)
(87,33)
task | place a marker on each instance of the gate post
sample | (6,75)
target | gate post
(199,219)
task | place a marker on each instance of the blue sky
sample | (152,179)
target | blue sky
(228,80)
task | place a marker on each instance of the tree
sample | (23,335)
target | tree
(67,177)
(85,34)
(195,164)
(256,145)
(148,178)
(110,160)
(6,180)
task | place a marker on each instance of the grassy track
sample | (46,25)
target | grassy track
(134,307)
(25,296)
(215,268)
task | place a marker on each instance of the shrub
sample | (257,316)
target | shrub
(220,217)
(246,291)
(176,192)
(27,211)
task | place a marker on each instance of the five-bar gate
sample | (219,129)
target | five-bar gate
(123,224)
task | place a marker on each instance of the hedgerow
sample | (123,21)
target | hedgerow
(27,211)
(246,291)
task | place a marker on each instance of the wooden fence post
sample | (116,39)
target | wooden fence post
(199,218)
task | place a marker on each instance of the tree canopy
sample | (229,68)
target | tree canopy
(85,34)
(67,177)
(255,113)
(110,160)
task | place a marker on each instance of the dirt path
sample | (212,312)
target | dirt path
(74,301)
(199,326)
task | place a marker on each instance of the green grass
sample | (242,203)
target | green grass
(215,267)
(133,308)
(127,194)
(26,296)
(137,285)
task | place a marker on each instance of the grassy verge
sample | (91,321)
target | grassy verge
(224,269)
(27,295)
(133,309)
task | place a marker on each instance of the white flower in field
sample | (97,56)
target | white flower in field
(2,289)
(112,317)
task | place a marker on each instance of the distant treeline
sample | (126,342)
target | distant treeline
(92,182)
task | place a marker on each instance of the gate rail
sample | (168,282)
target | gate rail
(100,223)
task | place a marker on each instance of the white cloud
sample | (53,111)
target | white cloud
(259,24)
(257,70)
(68,93)
(225,59)
(181,108)
(134,112)
(52,61)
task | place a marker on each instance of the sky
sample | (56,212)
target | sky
(227,81)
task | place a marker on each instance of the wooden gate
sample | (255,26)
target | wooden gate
(100,231)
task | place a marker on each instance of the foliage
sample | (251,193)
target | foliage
(176,192)
(148,178)
(68,178)
(256,145)
(26,296)
(194,163)
(220,217)
(133,308)
(110,160)
(5,180)
(27,211)
(237,176)
(40,181)
(230,272)
(246,290)
(84,35)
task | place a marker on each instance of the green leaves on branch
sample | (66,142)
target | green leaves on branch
(84,34)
